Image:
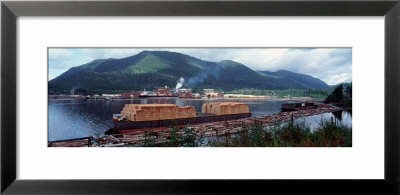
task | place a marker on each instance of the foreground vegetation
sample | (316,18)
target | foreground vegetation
(185,138)
(328,133)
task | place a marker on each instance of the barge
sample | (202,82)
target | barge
(125,126)
(135,117)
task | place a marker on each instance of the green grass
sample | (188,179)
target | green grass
(329,133)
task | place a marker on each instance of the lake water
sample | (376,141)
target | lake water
(344,117)
(79,118)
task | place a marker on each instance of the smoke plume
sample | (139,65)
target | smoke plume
(179,83)
(199,78)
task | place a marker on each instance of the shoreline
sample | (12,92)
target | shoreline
(189,99)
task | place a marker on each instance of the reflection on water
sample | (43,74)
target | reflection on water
(344,117)
(79,118)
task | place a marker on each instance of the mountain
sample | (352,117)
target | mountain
(295,80)
(150,69)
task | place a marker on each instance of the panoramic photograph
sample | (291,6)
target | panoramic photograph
(199,97)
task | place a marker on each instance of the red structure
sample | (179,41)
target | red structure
(219,94)
(132,94)
(162,92)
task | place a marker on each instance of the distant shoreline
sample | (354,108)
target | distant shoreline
(193,99)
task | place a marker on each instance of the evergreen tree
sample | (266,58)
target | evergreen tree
(336,96)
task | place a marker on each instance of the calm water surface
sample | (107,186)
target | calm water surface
(79,118)
(344,117)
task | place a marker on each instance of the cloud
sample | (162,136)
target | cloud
(58,53)
(340,78)
(62,59)
(58,58)
(100,53)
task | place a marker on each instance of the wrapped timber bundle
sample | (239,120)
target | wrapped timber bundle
(151,112)
(225,108)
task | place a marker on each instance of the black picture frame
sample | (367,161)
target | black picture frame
(10,10)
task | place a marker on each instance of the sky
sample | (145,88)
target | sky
(331,65)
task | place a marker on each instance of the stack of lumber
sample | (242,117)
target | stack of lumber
(224,108)
(151,112)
